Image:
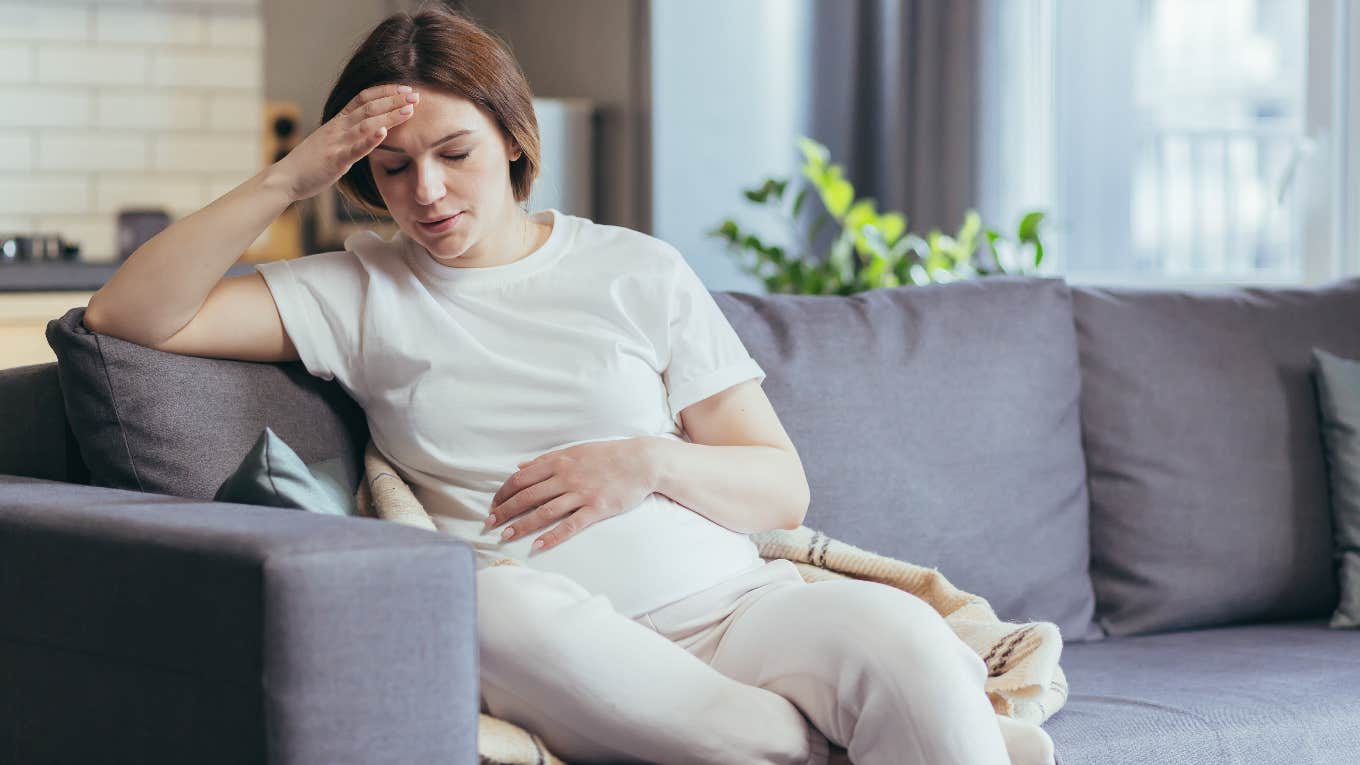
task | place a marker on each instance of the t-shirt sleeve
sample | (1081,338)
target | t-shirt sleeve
(320,299)
(705,354)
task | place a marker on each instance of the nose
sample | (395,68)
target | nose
(429,183)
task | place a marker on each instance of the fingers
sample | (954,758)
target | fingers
(519,480)
(377,91)
(380,106)
(387,120)
(568,528)
(542,516)
(364,146)
(521,501)
(373,130)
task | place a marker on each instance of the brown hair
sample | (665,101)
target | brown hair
(439,47)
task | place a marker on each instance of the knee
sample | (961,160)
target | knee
(908,632)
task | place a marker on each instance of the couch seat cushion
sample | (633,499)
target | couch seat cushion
(1262,693)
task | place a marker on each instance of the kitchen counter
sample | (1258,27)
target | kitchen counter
(69,276)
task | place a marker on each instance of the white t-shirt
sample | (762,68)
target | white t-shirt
(601,333)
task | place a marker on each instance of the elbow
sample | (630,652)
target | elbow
(92,319)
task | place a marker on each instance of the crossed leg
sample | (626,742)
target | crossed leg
(877,670)
(597,686)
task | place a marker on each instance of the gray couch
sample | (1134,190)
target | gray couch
(1141,467)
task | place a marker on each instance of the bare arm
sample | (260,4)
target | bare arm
(155,293)
(741,470)
(163,287)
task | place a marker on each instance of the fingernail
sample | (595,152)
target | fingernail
(405,109)
(413,97)
(538,544)
(403,88)
(510,532)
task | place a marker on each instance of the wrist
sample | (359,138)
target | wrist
(655,461)
(276,181)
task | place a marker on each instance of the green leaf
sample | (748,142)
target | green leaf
(798,201)
(837,197)
(995,266)
(814,152)
(1028,233)
(1029,226)
(860,213)
(870,242)
(941,257)
(972,224)
(728,230)
(839,259)
(892,225)
(918,246)
(817,175)
(874,271)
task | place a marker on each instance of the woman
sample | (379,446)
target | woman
(568,396)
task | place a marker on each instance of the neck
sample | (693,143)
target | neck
(510,240)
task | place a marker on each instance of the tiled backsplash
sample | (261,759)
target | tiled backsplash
(110,104)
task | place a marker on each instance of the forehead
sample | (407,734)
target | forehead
(449,106)
(438,114)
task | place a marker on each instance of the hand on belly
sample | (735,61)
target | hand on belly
(658,546)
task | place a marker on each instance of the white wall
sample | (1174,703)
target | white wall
(106,105)
(727,103)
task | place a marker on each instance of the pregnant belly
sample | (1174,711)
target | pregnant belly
(656,553)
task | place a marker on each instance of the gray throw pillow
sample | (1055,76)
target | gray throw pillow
(1338,384)
(167,423)
(272,474)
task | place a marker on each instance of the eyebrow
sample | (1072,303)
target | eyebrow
(445,139)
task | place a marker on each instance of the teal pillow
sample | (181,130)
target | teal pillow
(1338,384)
(272,474)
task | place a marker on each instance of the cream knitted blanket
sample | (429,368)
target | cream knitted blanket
(1024,680)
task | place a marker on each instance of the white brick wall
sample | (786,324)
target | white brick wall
(114,104)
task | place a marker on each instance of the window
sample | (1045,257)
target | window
(1182,141)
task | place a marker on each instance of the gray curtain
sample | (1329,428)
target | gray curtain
(895,97)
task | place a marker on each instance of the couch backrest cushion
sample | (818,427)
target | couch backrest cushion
(939,425)
(1208,486)
(173,424)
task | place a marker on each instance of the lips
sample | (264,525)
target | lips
(437,218)
(440,225)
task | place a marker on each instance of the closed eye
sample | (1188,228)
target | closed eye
(399,168)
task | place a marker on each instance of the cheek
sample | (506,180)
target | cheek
(392,190)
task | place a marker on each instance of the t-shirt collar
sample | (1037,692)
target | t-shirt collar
(492,275)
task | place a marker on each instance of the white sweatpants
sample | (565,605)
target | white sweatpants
(761,668)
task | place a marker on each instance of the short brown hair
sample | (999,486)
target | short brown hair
(440,47)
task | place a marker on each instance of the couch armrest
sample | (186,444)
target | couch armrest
(149,628)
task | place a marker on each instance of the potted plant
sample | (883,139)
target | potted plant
(873,249)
